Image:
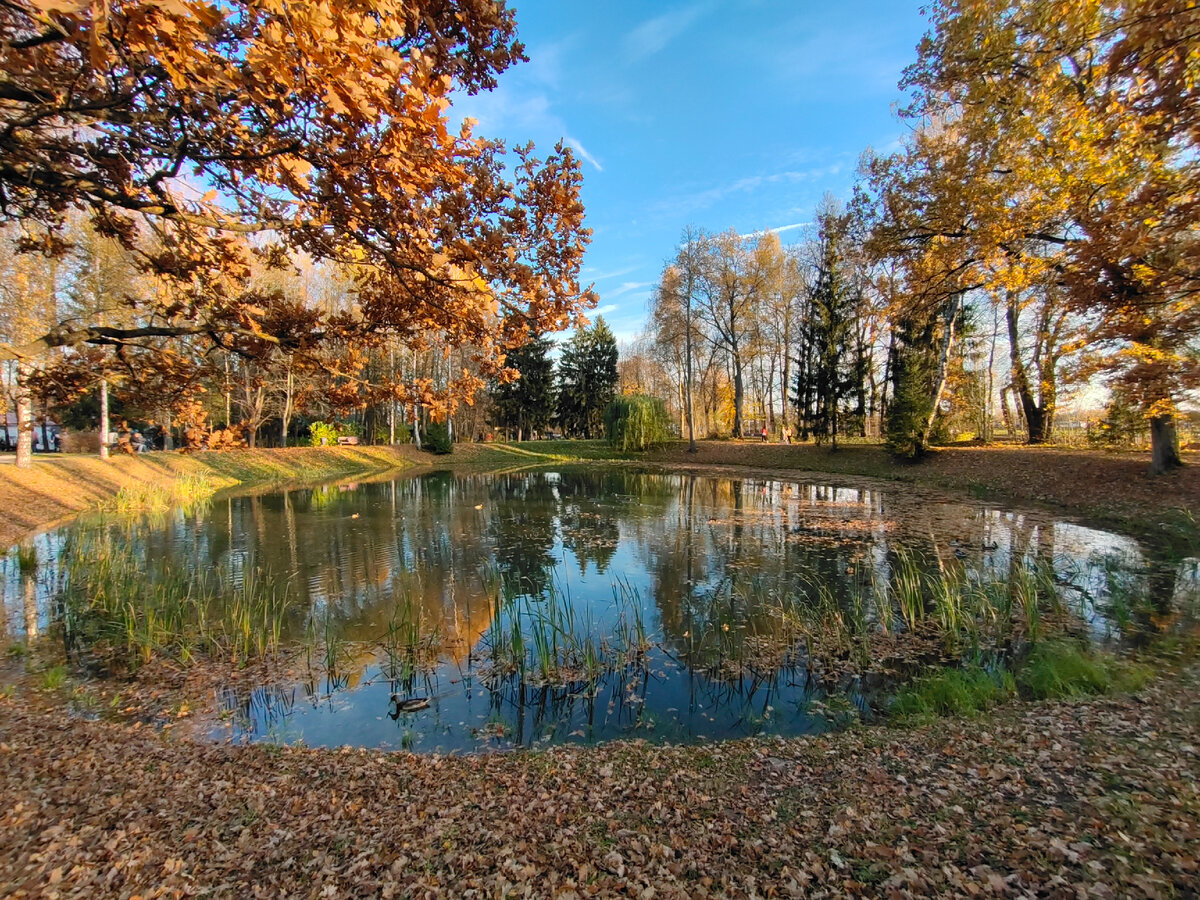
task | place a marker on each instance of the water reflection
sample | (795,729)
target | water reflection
(401,591)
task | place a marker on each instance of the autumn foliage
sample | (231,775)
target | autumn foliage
(213,140)
(1055,154)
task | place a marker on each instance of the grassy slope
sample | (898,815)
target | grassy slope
(1107,488)
(59,486)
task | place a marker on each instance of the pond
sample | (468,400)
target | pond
(461,612)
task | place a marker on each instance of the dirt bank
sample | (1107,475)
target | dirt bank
(1083,480)
(58,486)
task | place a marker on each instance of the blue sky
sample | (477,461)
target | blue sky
(736,114)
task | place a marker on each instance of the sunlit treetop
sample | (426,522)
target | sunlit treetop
(180,126)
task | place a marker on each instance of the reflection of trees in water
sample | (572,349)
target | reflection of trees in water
(589,517)
(717,551)
(524,529)
(733,555)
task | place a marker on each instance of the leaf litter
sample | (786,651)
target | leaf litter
(1088,798)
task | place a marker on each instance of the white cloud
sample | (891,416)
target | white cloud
(778,229)
(602,276)
(681,206)
(606,309)
(627,286)
(578,147)
(654,34)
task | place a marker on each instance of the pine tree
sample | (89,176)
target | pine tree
(527,403)
(587,379)
(829,368)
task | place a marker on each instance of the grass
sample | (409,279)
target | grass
(116,607)
(27,559)
(412,643)
(186,490)
(1052,670)
(544,640)
(53,678)
(954,692)
(1062,668)
(59,485)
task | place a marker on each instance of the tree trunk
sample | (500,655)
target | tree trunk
(285,415)
(1035,415)
(1010,427)
(739,396)
(943,367)
(104,419)
(228,395)
(1164,445)
(24,411)
(991,377)
(687,380)
(392,402)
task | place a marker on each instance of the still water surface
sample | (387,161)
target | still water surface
(664,595)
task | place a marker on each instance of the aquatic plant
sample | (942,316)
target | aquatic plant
(186,490)
(127,615)
(27,559)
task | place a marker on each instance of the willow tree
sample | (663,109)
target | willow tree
(179,126)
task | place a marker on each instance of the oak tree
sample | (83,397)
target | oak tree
(180,126)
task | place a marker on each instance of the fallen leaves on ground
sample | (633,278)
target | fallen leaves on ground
(1095,483)
(1095,798)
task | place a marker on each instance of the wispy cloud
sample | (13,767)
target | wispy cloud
(578,147)
(654,34)
(527,102)
(606,309)
(681,206)
(627,286)
(598,275)
(778,229)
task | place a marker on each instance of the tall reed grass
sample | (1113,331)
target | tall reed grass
(112,604)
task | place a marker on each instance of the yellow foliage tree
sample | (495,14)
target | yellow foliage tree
(181,126)
(1059,146)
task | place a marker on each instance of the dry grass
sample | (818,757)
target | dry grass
(56,487)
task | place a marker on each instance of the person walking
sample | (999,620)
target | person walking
(764,434)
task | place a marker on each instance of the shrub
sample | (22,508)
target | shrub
(636,422)
(437,439)
(322,434)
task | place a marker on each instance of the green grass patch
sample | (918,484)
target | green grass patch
(185,490)
(27,559)
(954,692)
(53,678)
(1063,668)
(301,464)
